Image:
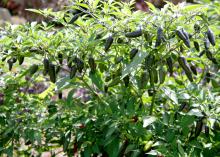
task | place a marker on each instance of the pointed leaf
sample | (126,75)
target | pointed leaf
(139,57)
(148,120)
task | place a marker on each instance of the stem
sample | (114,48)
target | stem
(152,102)
(87,85)
(203,73)
(91,14)
(153,99)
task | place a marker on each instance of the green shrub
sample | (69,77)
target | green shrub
(151,82)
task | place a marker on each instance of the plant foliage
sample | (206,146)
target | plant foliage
(150,81)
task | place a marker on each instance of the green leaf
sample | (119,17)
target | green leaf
(63,83)
(109,140)
(184,96)
(153,153)
(130,147)
(139,57)
(170,135)
(38,137)
(48,91)
(136,153)
(97,79)
(83,5)
(87,152)
(195,112)
(170,94)
(69,99)
(9,151)
(95,148)
(113,147)
(148,120)
(185,122)
(111,131)
(181,150)
(152,7)
(189,8)
(95,3)
(66,141)
(34,11)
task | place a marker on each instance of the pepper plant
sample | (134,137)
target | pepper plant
(150,82)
